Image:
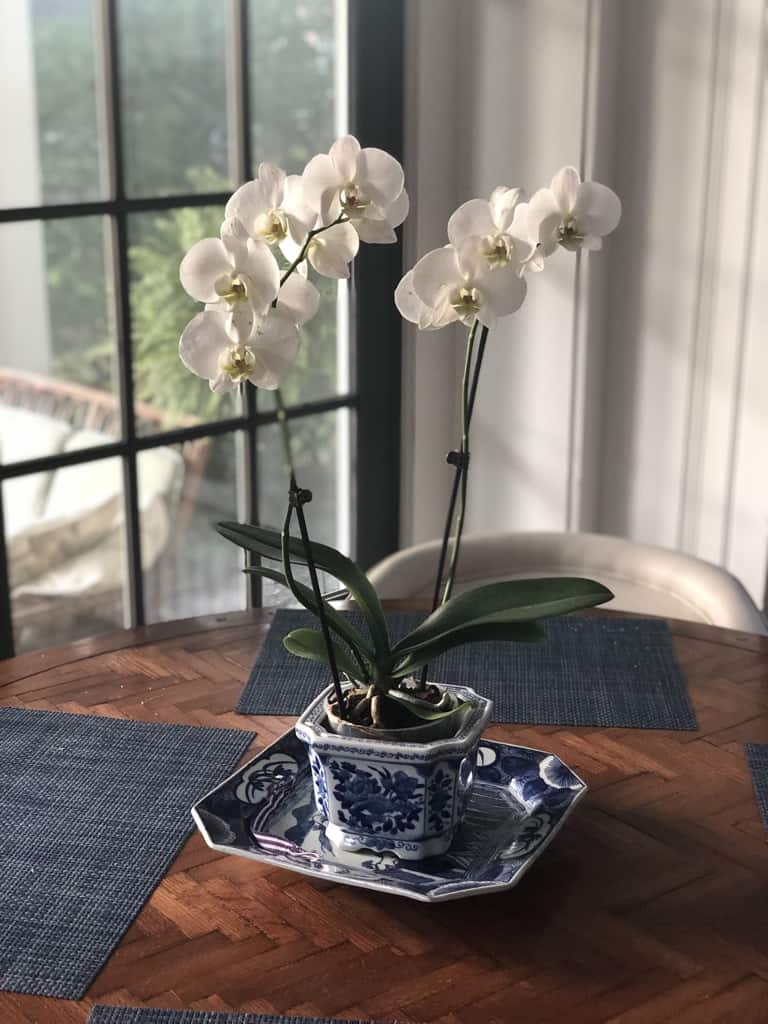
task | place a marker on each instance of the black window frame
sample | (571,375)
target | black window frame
(376,66)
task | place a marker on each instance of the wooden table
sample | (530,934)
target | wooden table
(651,905)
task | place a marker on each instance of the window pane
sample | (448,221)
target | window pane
(184,491)
(167,394)
(66,552)
(296,89)
(57,343)
(292,77)
(173,69)
(49,106)
(322,456)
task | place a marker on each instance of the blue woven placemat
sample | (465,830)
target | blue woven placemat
(131,1015)
(92,812)
(596,671)
(757,758)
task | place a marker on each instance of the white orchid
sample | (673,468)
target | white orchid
(573,213)
(272,207)
(412,308)
(363,185)
(458,283)
(211,347)
(494,224)
(230,271)
(297,298)
(525,228)
(329,251)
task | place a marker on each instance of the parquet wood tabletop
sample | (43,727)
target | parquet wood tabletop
(651,905)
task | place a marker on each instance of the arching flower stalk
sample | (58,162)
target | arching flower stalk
(248,332)
(478,278)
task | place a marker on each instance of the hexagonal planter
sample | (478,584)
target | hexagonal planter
(406,798)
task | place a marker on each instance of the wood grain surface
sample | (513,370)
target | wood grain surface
(651,905)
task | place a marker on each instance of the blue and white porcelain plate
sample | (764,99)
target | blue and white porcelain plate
(520,799)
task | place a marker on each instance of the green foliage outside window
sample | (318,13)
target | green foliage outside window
(173,62)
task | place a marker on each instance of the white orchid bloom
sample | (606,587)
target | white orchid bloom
(381,231)
(231,271)
(492,222)
(457,283)
(210,348)
(299,299)
(330,251)
(364,185)
(272,207)
(412,308)
(573,213)
(525,227)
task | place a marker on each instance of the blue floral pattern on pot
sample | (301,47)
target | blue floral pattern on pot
(318,783)
(440,796)
(384,795)
(376,799)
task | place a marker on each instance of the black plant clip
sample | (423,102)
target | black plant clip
(458,459)
(298,496)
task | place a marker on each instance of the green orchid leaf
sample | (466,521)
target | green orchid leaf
(421,654)
(267,543)
(510,601)
(310,644)
(338,623)
(421,709)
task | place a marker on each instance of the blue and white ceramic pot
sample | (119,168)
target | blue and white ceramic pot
(392,795)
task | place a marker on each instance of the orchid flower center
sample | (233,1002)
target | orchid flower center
(569,236)
(497,250)
(238,362)
(272,226)
(232,289)
(465,300)
(315,245)
(352,199)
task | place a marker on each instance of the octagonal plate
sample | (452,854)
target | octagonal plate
(520,800)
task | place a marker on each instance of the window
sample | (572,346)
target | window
(132,122)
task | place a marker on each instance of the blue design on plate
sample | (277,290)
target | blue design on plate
(519,800)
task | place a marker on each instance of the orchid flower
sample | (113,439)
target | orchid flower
(233,270)
(210,346)
(297,298)
(412,308)
(329,251)
(572,213)
(272,207)
(457,283)
(363,185)
(494,224)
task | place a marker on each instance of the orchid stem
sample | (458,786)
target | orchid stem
(297,498)
(296,502)
(303,251)
(454,493)
(469,393)
(461,462)
(285,432)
